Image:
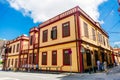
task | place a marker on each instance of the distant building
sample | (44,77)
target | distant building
(70,41)
(116,52)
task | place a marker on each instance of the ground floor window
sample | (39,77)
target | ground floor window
(54,57)
(102,56)
(66,57)
(88,56)
(12,62)
(16,62)
(8,62)
(30,58)
(96,56)
(44,58)
(35,59)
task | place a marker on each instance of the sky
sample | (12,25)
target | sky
(18,16)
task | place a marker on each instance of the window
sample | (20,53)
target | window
(31,40)
(44,58)
(54,33)
(13,48)
(34,59)
(104,41)
(17,49)
(66,57)
(12,62)
(30,58)
(66,29)
(88,56)
(45,35)
(107,43)
(10,49)
(8,62)
(54,57)
(93,34)
(96,56)
(85,29)
(16,62)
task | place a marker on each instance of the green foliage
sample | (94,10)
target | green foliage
(1,62)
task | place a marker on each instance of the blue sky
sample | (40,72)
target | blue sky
(16,20)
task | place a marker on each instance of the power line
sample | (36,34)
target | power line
(114,26)
(109,12)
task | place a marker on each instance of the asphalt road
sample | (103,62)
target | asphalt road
(9,75)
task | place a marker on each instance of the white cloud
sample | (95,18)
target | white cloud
(41,10)
(117,43)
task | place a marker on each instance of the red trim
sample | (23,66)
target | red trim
(52,57)
(69,13)
(79,43)
(58,43)
(59,17)
(38,46)
(34,29)
(63,35)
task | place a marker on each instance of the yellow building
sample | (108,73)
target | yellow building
(15,51)
(70,41)
(33,48)
(116,52)
(72,31)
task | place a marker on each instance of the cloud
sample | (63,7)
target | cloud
(41,10)
(117,43)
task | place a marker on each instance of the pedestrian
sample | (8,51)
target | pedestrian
(105,66)
(98,64)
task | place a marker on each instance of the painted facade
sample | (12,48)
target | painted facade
(71,41)
(116,53)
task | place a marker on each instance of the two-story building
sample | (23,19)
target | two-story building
(70,41)
(16,55)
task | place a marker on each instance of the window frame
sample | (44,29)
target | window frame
(86,33)
(94,34)
(63,29)
(44,61)
(54,62)
(31,40)
(68,57)
(45,39)
(52,33)
(17,49)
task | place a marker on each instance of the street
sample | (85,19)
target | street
(9,75)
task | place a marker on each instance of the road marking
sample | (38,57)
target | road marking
(8,78)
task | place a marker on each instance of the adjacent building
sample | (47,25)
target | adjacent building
(116,54)
(69,41)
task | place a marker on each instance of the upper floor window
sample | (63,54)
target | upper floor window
(66,29)
(104,41)
(45,35)
(93,34)
(17,49)
(31,40)
(85,29)
(10,49)
(54,33)
(13,48)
